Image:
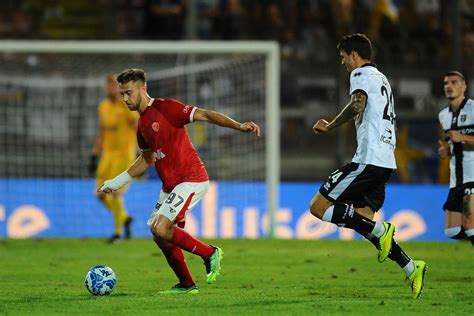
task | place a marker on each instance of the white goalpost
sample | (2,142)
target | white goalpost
(49,91)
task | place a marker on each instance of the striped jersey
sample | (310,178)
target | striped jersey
(375,126)
(461,165)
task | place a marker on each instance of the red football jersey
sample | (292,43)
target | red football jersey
(161,129)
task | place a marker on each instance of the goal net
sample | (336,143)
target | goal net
(49,93)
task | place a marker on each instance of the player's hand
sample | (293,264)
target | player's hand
(108,187)
(456,136)
(116,183)
(321,126)
(443,151)
(93,162)
(250,127)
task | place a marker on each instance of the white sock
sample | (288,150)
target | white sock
(409,268)
(469,232)
(452,231)
(327,216)
(378,230)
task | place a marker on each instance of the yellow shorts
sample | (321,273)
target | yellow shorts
(111,165)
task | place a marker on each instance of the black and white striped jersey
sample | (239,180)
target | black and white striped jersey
(376,124)
(461,165)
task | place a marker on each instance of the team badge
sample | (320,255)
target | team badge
(155,126)
(463,117)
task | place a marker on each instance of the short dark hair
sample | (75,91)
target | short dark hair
(357,42)
(455,73)
(131,75)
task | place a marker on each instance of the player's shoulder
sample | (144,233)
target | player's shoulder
(470,102)
(359,72)
(166,102)
(366,71)
(104,103)
(443,112)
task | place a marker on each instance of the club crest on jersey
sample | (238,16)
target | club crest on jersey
(159,154)
(463,118)
(155,126)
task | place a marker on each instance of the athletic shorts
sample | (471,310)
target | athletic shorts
(454,201)
(358,185)
(175,204)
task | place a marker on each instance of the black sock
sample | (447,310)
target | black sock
(345,216)
(374,240)
(396,254)
(471,238)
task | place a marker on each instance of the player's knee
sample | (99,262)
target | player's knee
(159,230)
(316,208)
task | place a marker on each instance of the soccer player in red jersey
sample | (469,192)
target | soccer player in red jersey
(163,141)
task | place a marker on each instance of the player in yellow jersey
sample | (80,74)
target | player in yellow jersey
(116,146)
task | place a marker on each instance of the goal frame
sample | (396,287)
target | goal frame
(270,49)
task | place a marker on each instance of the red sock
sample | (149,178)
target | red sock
(175,257)
(185,241)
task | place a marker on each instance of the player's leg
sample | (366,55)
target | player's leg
(396,254)
(175,257)
(368,213)
(183,198)
(104,172)
(371,202)
(121,218)
(330,204)
(453,225)
(453,208)
(467,217)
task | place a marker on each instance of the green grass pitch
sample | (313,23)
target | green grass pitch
(259,277)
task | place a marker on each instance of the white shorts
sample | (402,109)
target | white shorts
(175,204)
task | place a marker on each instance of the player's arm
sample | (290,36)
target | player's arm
(457,137)
(137,168)
(96,151)
(221,119)
(351,110)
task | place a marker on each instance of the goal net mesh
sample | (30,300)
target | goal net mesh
(48,120)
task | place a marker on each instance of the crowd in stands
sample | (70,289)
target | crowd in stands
(306,29)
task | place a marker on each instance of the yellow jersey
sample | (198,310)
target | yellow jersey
(118,126)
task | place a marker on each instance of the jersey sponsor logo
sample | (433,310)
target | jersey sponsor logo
(386,137)
(155,126)
(186,109)
(159,154)
(327,185)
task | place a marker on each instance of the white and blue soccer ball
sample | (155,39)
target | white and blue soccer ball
(100,280)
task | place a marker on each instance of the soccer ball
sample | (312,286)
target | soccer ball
(100,280)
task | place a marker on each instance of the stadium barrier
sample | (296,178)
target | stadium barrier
(68,208)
